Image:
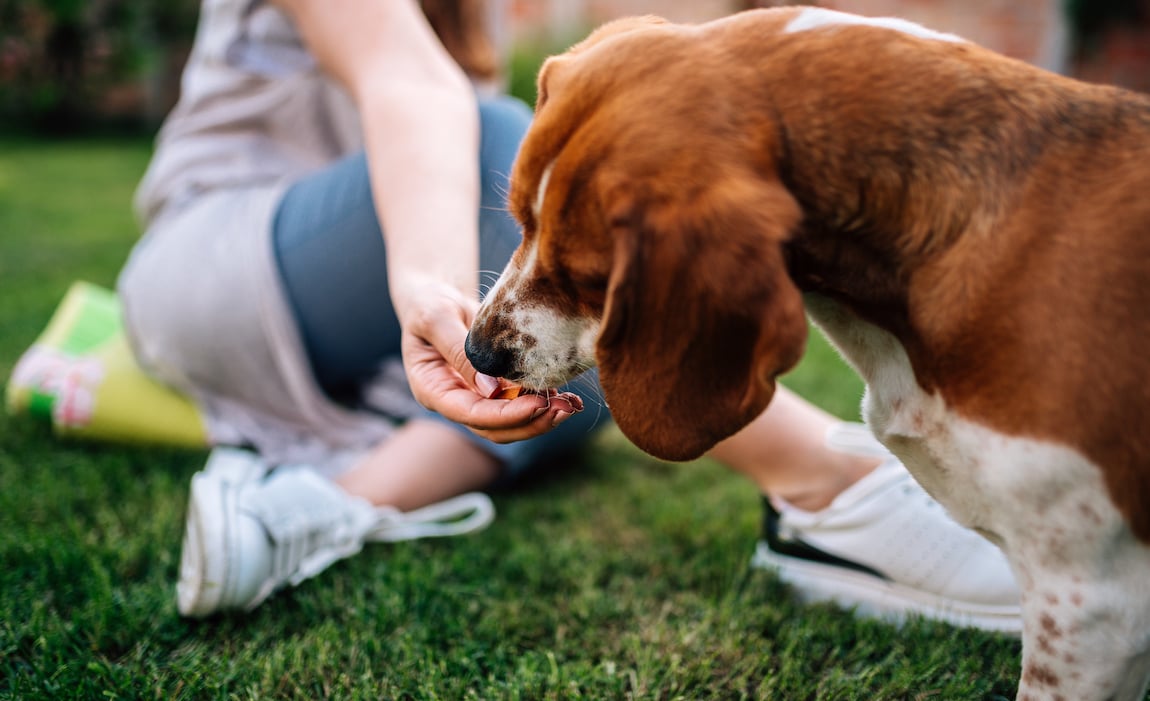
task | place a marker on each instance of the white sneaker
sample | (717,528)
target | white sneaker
(886,549)
(251,532)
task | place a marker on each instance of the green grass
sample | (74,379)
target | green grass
(617,578)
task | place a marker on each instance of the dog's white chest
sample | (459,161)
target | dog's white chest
(981,475)
(915,425)
(1078,566)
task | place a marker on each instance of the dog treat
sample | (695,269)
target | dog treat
(509,392)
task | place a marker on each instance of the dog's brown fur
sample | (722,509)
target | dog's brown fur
(992,218)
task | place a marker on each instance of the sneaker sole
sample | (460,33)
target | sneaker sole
(202,578)
(873,597)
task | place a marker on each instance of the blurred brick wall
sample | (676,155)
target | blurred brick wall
(556,18)
(1120,56)
(1032,30)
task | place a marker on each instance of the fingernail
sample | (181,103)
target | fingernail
(560,417)
(539,412)
(486,384)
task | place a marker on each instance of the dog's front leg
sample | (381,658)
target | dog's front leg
(1084,634)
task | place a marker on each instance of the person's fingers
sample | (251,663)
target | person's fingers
(571,398)
(439,387)
(541,420)
(535,412)
(443,380)
(487,385)
(447,334)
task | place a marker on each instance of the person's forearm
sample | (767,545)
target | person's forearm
(422,148)
(421,129)
(421,132)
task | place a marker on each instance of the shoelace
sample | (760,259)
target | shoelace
(857,438)
(854,438)
(466,513)
(302,558)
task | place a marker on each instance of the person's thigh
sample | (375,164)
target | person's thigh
(194,293)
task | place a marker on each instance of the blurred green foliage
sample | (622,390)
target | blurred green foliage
(58,58)
(1089,18)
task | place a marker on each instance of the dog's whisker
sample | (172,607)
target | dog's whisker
(504,192)
(487,280)
(588,388)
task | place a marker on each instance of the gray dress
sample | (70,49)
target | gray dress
(203,303)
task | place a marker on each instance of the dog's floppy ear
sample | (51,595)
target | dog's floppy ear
(701,316)
(555,68)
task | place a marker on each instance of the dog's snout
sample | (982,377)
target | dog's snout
(488,358)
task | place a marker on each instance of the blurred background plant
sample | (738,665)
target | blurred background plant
(1091,19)
(71,64)
(77,66)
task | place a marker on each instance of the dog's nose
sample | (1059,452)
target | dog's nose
(490,359)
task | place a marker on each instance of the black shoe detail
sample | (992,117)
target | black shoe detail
(802,550)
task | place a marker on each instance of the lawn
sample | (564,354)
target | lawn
(619,577)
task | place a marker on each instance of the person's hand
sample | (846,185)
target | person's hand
(421,136)
(436,320)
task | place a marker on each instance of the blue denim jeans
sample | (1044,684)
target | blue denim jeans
(331,255)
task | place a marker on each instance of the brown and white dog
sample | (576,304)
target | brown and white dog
(973,233)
